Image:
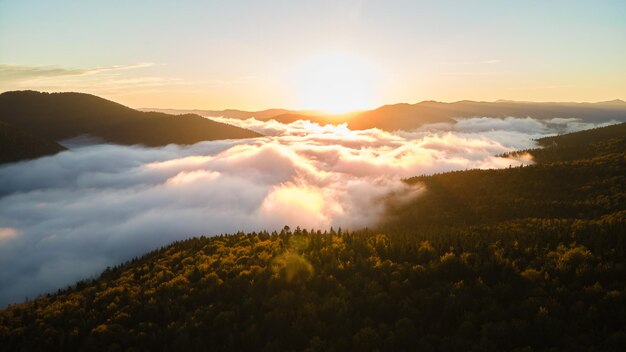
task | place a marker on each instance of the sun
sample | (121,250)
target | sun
(336,83)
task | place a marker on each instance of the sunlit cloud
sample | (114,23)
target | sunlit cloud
(25,74)
(7,233)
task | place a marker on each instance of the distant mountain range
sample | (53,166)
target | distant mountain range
(411,116)
(33,121)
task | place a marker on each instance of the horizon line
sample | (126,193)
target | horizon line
(313,110)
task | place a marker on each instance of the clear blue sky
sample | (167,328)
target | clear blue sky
(251,54)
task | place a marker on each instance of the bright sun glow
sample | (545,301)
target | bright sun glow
(336,83)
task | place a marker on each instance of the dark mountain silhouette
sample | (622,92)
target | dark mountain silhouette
(521,259)
(59,116)
(411,116)
(16,145)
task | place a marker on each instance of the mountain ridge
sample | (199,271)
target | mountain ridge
(411,116)
(58,116)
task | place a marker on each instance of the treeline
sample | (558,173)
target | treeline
(580,175)
(536,284)
(582,145)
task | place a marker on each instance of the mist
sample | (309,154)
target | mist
(66,217)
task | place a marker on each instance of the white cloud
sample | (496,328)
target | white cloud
(29,73)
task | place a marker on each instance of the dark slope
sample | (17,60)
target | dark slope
(17,145)
(582,139)
(580,175)
(160,129)
(525,259)
(63,115)
(583,144)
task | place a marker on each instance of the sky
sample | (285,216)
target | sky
(329,55)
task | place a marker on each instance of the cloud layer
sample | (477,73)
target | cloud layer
(66,217)
(23,72)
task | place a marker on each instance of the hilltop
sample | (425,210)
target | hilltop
(58,116)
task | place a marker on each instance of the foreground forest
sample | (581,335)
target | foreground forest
(520,259)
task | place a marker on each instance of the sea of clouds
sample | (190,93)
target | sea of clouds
(68,216)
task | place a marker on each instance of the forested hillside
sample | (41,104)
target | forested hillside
(580,175)
(582,145)
(520,259)
(57,116)
(16,145)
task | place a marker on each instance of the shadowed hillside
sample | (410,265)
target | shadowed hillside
(583,144)
(522,259)
(58,116)
(16,145)
(160,129)
(580,175)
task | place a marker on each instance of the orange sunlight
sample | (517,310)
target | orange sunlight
(336,83)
